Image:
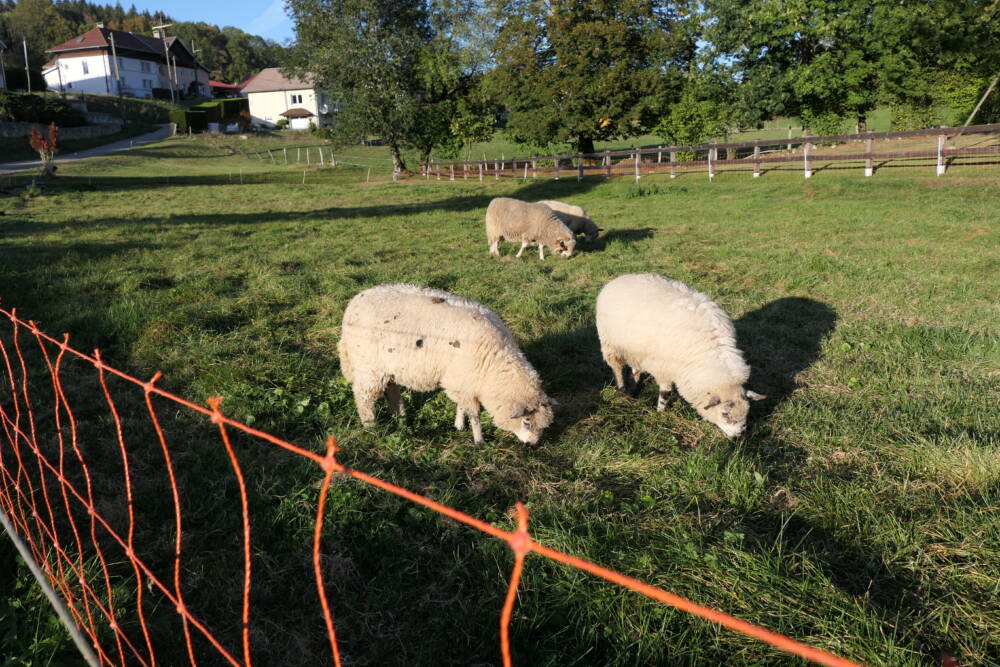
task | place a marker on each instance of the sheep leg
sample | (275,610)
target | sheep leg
(395,400)
(477,429)
(365,396)
(495,247)
(661,402)
(524,244)
(459,418)
(634,381)
(616,368)
(541,251)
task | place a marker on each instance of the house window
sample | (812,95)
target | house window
(86,67)
(147,84)
(296,99)
(145,66)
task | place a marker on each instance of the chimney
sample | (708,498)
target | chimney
(100,24)
(158,33)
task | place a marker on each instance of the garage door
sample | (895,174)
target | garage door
(300,124)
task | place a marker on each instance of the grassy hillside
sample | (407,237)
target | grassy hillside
(855,514)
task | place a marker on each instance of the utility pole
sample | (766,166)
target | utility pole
(27,71)
(166,56)
(3,68)
(118,80)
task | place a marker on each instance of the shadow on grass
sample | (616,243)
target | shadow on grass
(625,236)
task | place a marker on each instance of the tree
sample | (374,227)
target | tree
(46,146)
(574,72)
(393,63)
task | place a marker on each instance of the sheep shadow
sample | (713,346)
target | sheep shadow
(625,236)
(780,340)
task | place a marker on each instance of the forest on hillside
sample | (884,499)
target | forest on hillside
(229,53)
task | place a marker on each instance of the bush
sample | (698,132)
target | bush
(692,121)
(161,94)
(911,117)
(179,116)
(822,124)
(42,109)
(282,123)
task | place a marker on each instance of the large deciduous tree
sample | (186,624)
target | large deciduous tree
(577,71)
(398,65)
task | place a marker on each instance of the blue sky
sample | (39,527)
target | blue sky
(259,17)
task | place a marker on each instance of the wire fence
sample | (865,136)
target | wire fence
(935,149)
(82,530)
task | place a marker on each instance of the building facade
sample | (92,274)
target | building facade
(274,96)
(112,62)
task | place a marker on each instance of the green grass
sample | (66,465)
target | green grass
(858,514)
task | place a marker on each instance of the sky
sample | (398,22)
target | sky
(258,17)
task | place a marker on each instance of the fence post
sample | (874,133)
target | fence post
(465,171)
(673,164)
(940,155)
(298,155)
(534,169)
(307,155)
(525,170)
(607,164)
(756,161)
(711,172)
(869,171)
(285,151)
(270,155)
(480,172)
(496,170)
(659,155)
(555,163)
(451,171)
(805,158)
(638,159)
(320,149)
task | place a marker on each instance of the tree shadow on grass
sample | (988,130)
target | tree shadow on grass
(624,236)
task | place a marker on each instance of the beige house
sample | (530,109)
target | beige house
(273,96)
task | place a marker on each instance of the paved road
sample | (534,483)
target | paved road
(123,145)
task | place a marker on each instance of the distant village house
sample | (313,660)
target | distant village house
(85,64)
(273,96)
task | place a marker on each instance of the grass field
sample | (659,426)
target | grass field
(858,514)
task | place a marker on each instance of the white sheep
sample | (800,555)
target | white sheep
(424,339)
(515,220)
(575,218)
(679,336)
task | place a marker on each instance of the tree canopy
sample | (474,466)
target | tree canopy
(573,72)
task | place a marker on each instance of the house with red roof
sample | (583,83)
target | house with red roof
(108,62)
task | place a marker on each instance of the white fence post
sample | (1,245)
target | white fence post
(638,160)
(805,160)
(756,161)
(555,164)
(940,155)
(711,172)
(869,170)
(673,164)
(480,172)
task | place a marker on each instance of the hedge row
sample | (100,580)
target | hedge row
(44,109)
(197,118)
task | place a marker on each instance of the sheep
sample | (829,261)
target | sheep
(679,336)
(514,220)
(575,218)
(409,336)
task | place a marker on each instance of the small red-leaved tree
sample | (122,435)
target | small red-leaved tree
(47,147)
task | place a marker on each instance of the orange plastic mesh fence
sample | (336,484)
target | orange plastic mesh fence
(47,491)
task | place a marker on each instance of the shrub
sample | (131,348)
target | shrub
(911,117)
(692,121)
(822,124)
(42,109)
(282,123)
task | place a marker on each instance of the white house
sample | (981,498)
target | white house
(87,64)
(273,96)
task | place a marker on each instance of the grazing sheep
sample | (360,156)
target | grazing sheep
(680,337)
(408,336)
(514,220)
(575,218)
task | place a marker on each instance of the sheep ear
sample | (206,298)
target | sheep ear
(553,402)
(754,396)
(712,402)
(519,411)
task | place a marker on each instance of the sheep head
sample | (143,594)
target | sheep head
(727,408)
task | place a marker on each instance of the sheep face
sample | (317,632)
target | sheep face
(728,408)
(592,236)
(565,246)
(528,423)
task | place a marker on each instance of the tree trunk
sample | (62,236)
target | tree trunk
(585,144)
(424,159)
(397,159)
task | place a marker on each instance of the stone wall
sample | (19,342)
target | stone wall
(9,130)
